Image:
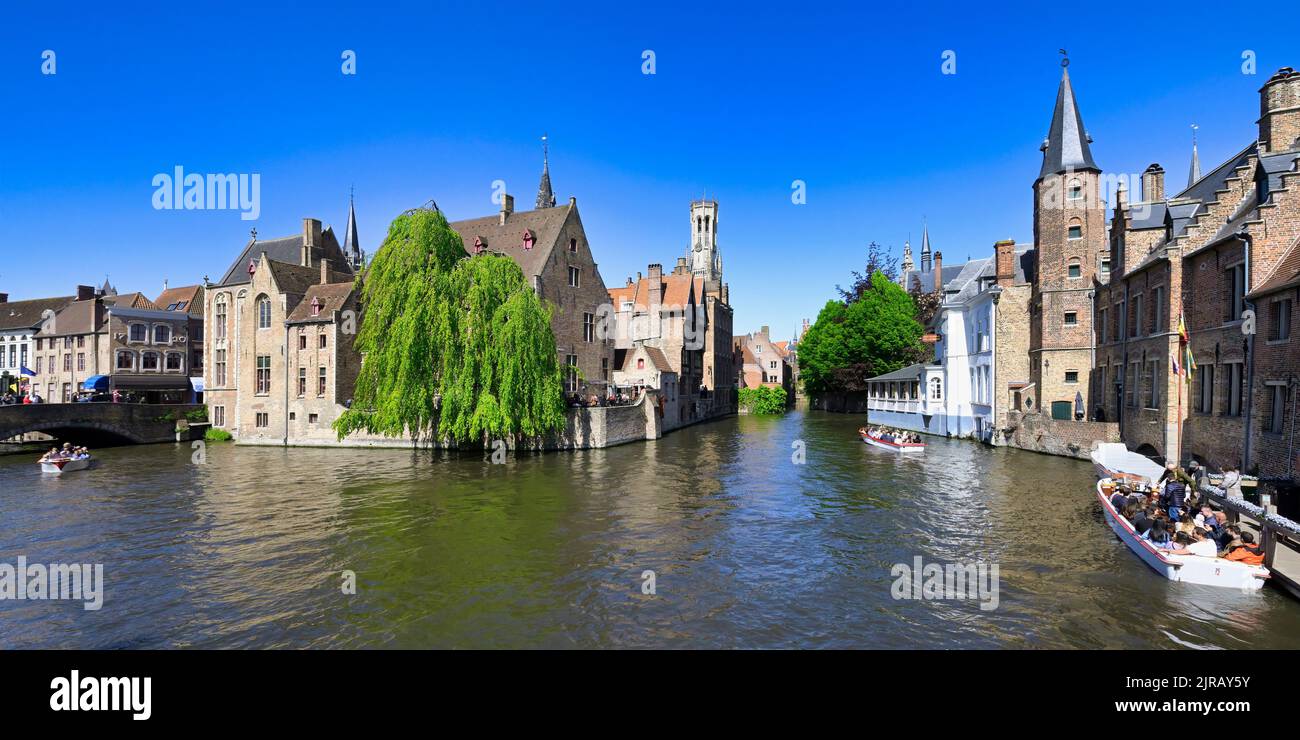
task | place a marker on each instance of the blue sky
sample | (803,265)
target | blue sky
(448,98)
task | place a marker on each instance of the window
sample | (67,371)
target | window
(197,364)
(67,342)
(38,343)
(313,418)
(604,368)
(640,363)
(302,382)
(1071,318)
(588,327)
(575,277)
(320,381)
(1133,384)
(1234,279)
(138,333)
(81,360)
(220,312)
(1105,266)
(1075,231)
(38,365)
(81,342)
(219,375)
(1076,190)
(1158,307)
(1233,378)
(321,341)
(315,306)
(302,341)
(571,373)
(1072,376)
(1075,270)
(1275,423)
(162,334)
(1135,326)
(263,375)
(263,419)
(1204,402)
(573,245)
(148,360)
(218,416)
(174,361)
(67,393)
(67,362)
(772,365)
(936,389)
(125,360)
(1279,322)
(263,312)
(1154,381)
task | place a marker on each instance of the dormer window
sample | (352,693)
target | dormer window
(573,245)
(1261,187)
(528,239)
(315,306)
(479,245)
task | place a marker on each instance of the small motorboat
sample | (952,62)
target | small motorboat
(1115,460)
(1184,568)
(61,465)
(871,439)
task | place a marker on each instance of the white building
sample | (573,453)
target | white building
(19,323)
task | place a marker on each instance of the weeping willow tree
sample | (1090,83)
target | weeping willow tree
(455,348)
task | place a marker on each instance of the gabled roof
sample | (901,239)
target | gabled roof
(675,290)
(27,314)
(187,298)
(545,225)
(1286,274)
(292,278)
(1066,146)
(656,356)
(130,300)
(286,249)
(330,297)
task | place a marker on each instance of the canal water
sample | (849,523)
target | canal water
(748,548)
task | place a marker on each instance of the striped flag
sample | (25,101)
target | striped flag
(1185,340)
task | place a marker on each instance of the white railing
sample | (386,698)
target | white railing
(899,405)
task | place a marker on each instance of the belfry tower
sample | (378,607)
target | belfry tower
(703,257)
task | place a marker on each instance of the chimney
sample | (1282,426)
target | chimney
(311,241)
(655,276)
(726,294)
(324,271)
(1153,184)
(680,269)
(765,332)
(1121,195)
(1279,111)
(1006,262)
(164,285)
(85,292)
(629,281)
(4,297)
(938,274)
(507,207)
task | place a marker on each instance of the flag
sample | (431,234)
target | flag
(1185,339)
(25,371)
(1190,364)
(1174,360)
(1182,330)
(13,387)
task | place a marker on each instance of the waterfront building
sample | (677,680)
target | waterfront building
(646,366)
(188,300)
(663,312)
(19,323)
(704,258)
(1221,254)
(106,342)
(279,361)
(761,363)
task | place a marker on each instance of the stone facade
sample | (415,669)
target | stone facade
(761,363)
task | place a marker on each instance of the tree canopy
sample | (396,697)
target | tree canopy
(874,333)
(455,347)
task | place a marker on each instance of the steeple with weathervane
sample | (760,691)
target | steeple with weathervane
(351,242)
(545,198)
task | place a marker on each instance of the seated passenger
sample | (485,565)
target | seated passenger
(1195,544)
(1142,521)
(1246,551)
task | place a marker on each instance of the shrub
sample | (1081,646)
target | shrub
(763,400)
(214,434)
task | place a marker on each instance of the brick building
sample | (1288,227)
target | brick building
(761,363)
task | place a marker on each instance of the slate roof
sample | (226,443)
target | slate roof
(293,279)
(508,239)
(1147,215)
(911,372)
(27,314)
(926,279)
(286,249)
(130,300)
(1066,147)
(331,297)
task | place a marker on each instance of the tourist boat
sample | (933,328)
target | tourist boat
(895,446)
(1183,568)
(1114,460)
(65,465)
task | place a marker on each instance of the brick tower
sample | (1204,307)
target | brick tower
(1070,237)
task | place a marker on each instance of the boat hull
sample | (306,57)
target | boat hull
(882,444)
(65,466)
(1182,568)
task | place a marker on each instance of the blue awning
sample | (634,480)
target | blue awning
(196,384)
(95,383)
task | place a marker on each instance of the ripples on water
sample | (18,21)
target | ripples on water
(749,549)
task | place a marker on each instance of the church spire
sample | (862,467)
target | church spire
(545,198)
(925,247)
(351,242)
(1194,173)
(908,265)
(1066,147)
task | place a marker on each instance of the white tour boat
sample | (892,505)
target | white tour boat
(887,445)
(65,464)
(1184,568)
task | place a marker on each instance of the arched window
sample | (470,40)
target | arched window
(263,312)
(936,389)
(708,223)
(219,313)
(162,334)
(1074,269)
(1075,191)
(699,224)
(1075,229)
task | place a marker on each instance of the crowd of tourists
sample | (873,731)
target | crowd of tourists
(1173,516)
(894,436)
(66,452)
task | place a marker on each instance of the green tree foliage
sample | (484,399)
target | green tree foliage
(876,333)
(765,399)
(455,348)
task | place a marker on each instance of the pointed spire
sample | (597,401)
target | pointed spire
(351,242)
(908,265)
(1194,173)
(545,198)
(1066,146)
(925,247)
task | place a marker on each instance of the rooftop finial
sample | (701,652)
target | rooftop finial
(1194,173)
(253,233)
(1065,57)
(545,198)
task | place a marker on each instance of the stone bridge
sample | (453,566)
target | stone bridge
(96,423)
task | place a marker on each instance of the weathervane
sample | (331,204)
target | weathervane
(1065,58)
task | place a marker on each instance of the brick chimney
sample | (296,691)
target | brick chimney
(507,207)
(1006,262)
(85,292)
(311,242)
(1121,195)
(1153,184)
(680,269)
(938,274)
(655,276)
(324,271)
(1279,111)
